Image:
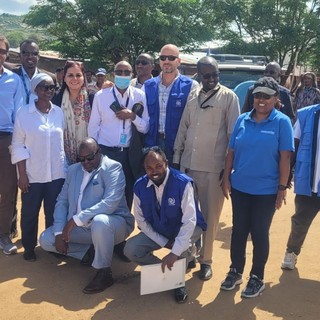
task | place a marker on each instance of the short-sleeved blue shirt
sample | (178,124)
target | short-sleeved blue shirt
(256,152)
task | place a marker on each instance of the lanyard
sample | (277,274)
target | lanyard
(116,99)
(25,88)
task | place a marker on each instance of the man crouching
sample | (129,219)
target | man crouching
(91,214)
(167,214)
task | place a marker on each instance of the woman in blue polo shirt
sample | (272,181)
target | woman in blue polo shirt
(256,174)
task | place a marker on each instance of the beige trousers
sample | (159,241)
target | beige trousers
(211,201)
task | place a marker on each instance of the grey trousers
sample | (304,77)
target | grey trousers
(104,232)
(140,248)
(306,210)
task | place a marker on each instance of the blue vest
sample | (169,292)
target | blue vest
(175,106)
(304,169)
(166,220)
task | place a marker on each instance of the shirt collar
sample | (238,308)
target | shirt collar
(270,118)
(150,182)
(25,73)
(126,93)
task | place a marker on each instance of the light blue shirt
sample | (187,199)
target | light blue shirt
(10,99)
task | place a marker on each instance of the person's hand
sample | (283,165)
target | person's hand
(281,197)
(125,114)
(23,183)
(225,186)
(61,245)
(168,261)
(67,230)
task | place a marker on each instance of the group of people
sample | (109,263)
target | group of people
(166,146)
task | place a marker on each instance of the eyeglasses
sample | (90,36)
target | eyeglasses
(77,75)
(30,53)
(3,52)
(143,62)
(121,72)
(170,58)
(47,87)
(87,158)
(261,95)
(209,75)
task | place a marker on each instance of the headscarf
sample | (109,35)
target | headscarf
(39,77)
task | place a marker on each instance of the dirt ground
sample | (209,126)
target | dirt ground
(51,289)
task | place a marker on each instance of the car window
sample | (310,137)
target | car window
(231,78)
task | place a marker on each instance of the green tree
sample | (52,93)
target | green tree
(117,29)
(276,28)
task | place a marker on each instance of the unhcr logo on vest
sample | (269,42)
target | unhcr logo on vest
(171,202)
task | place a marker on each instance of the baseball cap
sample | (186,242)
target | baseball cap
(101,71)
(266,85)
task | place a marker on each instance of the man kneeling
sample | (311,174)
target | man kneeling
(91,209)
(167,214)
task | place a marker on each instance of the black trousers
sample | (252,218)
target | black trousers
(31,204)
(252,214)
(122,156)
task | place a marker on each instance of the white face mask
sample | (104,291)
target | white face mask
(122,82)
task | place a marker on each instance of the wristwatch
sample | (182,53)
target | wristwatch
(282,187)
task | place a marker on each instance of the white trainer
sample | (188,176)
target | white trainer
(289,261)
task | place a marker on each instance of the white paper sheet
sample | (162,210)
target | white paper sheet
(153,280)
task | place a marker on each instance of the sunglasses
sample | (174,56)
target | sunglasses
(30,53)
(87,158)
(261,95)
(143,62)
(47,87)
(210,75)
(121,72)
(170,58)
(3,51)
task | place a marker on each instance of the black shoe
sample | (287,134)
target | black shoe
(118,250)
(181,294)
(192,264)
(29,256)
(88,257)
(205,272)
(101,281)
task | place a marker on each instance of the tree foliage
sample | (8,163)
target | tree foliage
(275,28)
(117,29)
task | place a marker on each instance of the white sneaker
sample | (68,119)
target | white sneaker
(289,261)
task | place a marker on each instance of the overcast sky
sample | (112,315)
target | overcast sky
(16,7)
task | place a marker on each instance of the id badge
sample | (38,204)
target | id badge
(123,139)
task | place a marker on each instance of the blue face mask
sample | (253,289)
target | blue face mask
(122,82)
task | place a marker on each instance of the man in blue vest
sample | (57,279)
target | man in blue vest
(167,214)
(306,181)
(166,96)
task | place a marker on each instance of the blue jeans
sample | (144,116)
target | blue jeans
(251,214)
(31,204)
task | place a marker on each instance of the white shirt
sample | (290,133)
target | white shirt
(105,127)
(189,218)
(316,174)
(38,139)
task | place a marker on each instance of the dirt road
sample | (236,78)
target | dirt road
(51,289)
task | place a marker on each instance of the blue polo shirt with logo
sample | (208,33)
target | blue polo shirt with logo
(256,152)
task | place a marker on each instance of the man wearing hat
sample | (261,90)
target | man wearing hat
(101,82)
